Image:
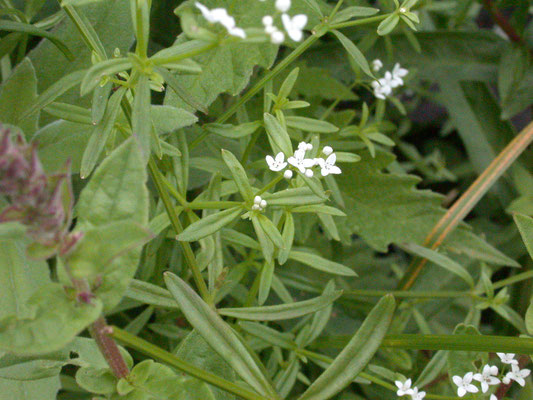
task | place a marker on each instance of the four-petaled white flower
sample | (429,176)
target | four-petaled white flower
(299,161)
(377,65)
(464,384)
(221,16)
(276,36)
(278,163)
(507,358)
(404,388)
(305,146)
(516,375)
(487,377)
(416,395)
(493,397)
(294,26)
(397,74)
(283,5)
(328,165)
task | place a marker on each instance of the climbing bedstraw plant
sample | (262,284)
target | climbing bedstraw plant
(266,199)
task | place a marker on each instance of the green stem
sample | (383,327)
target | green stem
(334,12)
(270,185)
(513,279)
(357,22)
(407,294)
(178,228)
(168,358)
(212,205)
(193,53)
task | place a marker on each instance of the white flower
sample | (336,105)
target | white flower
(416,395)
(294,26)
(517,375)
(276,164)
(299,161)
(277,37)
(507,358)
(327,150)
(487,377)
(377,65)
(221,16)
(397,74)
(403,10)
(283,5)
(305,146)
(383,86)
(328,165)
(268,20)
(493,397)
(404,387)
(464,385)
(287,174)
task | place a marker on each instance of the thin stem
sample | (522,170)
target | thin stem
(337,6)
(178,228)
(407,294)
(168,358)
(212,205)
(357,22)
(468,200)
(513,279)
(270,185)
(182,56)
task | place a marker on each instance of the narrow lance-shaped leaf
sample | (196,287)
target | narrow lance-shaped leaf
(317,262)
(218,335)
(271,230)
(141,118)
(104,68)
(441,260)
(388,24)
(100,134)
(209,225)
(354,53)
(277,135)
(267,272)
(352,12)
(266,245)
(288,238)
(525,226)
(99,104)
(310,124)
(54,91)
(282,311)
(356,355)
(239,176)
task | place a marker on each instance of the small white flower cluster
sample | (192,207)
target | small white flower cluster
(488,377)
(304,165)
(392,79)
(404,389)
(221,16)
(294,26)
(259,204)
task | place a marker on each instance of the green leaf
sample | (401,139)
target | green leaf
(49,311)
(14,26)
(148,293)
(271,231)
(525,226)
(209,225)
(352,12)
(405,214)
(529,318)
(61,141)
(354,53)
(99,103)
(53,92)
(112,25)
(293,197)
(284,340)
(282,311)
(239,176)
(356,355)
(102,69)
(388,24)
(265,282)
(277,135)
(17,94)
(116,192)
(288,84)
(267,246)
(140,117)
(233,131)
(195,350)
(461,362)
(100,134)
(181,90)
(69,112)
(432,369)
(441,260)
(218,335)
(310,124)
(317,262)
(167,119)
(319,208)
(228,68)
(288,238)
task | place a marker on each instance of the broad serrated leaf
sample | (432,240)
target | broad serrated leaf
(386,208)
